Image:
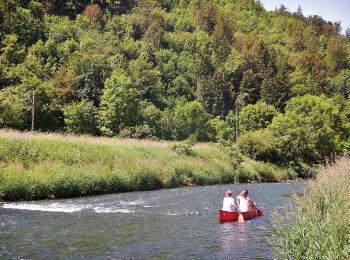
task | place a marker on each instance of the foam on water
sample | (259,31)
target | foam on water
(54,207)
(108,210)
(135,202)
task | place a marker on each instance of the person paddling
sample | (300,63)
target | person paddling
(229,202)
(244,202)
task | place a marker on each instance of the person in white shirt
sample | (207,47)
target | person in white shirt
(244,202)
(228,203)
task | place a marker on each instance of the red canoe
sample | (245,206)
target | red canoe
(225,216)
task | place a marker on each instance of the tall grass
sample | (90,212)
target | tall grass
(39,166)
(319,227)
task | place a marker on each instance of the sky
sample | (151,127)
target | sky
(330,10)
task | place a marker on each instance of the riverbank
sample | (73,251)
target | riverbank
(319,228)
(40,166)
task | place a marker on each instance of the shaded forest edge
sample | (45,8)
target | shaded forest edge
(41,166)
(319,225)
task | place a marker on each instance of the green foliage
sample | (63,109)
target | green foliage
(39,166)
(152,117)
(143,131)
(220,131)
(190,119)
(184,148)
(264,172)
(119,105)
(255,117)
(310,131)
(260,145)
(136,59)
(81,118)
(319,226)
(12,109)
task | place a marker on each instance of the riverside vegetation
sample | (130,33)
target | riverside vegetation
(268,90)
(272,88)
(38,166)
(319,226)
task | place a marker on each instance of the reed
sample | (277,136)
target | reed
(318,227)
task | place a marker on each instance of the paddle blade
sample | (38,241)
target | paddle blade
(240,218)
(260,213)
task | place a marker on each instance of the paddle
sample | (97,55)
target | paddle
(240,218)
(260,213)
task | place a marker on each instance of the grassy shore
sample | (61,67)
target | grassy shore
(319,228)
(39,166)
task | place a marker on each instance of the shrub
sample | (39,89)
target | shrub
(310,131)
(81,118)
(184,148)
(255,117)
(219,131)
(12,109)
(191,119)
(264,172)
(139,132)
(259,145)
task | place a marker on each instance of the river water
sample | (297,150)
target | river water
(165,224)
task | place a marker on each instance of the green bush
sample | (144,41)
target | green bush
(12,109)
(255,117)
(143,131)
(184,148)
(81,118)
(259,145)
(264,172)
(219,131)
(191,119)
(310,131)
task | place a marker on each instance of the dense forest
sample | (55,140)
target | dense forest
(276,82)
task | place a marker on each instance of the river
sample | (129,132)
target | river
(165,224)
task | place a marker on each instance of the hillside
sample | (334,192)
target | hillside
(177,69)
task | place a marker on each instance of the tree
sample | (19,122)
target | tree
(310,131)
(204,13)
(339,84)
(222,36)
(93,13)
(11,52)
(146,80)
(81,118)
(347,33)
(337,55)
(119,104)
(27,23)
(90,72)
(299,12)
(190,119)
(216,94)
(12,109)
(250,84)
(256,117)
(276,90)
(282,9)
(151,116)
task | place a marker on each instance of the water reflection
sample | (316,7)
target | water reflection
(232,236)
